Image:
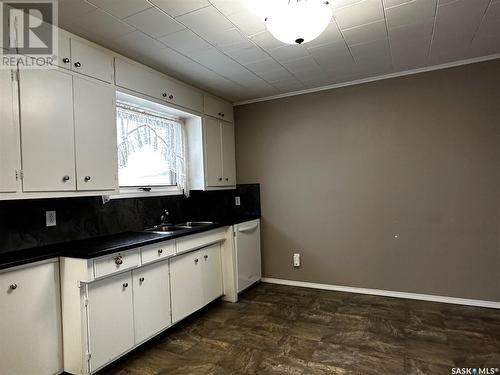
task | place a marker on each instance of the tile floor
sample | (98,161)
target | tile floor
(278,329)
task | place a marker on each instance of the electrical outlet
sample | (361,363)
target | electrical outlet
(237,201)
(50,218)
(296,260)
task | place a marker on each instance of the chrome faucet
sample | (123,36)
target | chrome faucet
(163,217)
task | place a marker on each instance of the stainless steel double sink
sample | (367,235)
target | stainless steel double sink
(172,228)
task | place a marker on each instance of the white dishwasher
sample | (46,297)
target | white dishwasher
(248,259)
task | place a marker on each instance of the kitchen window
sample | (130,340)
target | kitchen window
(150,151)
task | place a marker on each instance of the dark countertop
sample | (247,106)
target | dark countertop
(99,246)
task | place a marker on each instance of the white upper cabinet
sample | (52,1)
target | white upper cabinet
(220,163)
(9,134)
(228,153)
(89,60)
(217,108)
(68,132)
(95,135)
(31,332)
(64,51)
(212,163)
(48,155)
(184,96)
(140,79)
(213,152)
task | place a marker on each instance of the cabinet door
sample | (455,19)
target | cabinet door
(227,111)
(9,133)
(211,272)
(213,151)
(186,287)
(217,108)
(63,53)
(95,135)
(151,300)
(228,154)
(47,132)
(133,77)
(91,61)
(185,96)
(110,319)
(31,338)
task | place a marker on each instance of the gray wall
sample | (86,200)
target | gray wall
(344,171)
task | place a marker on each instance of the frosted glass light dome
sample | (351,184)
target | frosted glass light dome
(298,21)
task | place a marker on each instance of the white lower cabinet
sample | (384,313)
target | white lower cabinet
(186,279)
(110,319)
(151,300)
(199,273)
(114,303)
(30,324)
(211,267)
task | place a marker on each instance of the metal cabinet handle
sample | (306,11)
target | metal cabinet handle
(164,94)
(118,260)
(78,64)
(227,179)
(65,179)
(222,114)
(125,285)
(65,60)
(196,261)
(87,178)
(205,256)
(160,251)
(170,96)
(141,279)
(13,286)
(220,178)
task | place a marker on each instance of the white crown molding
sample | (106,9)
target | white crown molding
(372,79)
(386,293)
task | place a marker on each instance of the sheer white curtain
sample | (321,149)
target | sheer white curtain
(151,148)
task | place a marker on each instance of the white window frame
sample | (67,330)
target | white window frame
(153,191)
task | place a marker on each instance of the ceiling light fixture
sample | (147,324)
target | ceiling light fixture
(298,21)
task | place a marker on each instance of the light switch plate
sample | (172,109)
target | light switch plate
(50,218)
(237,201)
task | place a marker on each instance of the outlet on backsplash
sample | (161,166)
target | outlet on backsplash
(50,218)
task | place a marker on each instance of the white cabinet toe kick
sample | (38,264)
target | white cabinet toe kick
(114,303)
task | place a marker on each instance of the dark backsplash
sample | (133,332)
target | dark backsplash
(22,222)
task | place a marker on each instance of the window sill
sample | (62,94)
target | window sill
(132,193)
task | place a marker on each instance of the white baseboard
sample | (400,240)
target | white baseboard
(386,293)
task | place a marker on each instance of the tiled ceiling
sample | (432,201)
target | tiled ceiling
(223,47)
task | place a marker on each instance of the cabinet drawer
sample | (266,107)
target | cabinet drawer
(157,251)
(116,262)
(199,240)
